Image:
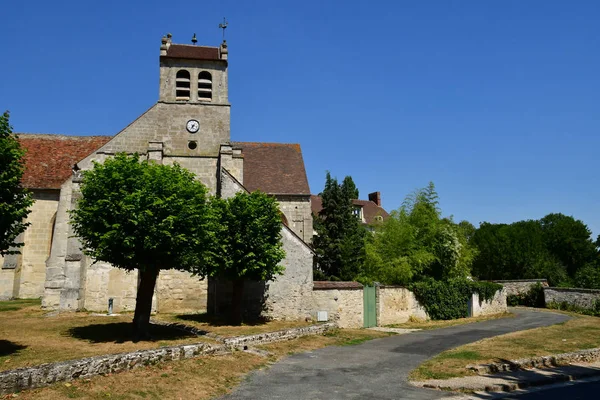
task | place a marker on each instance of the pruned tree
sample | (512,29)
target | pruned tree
(340,241)
(146,217)
(248,244)
(15,201)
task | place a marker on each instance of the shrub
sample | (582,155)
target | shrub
(445,300)
(534,297)
(594,311)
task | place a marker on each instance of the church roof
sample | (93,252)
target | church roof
(370,210)
(49,159)
(274,168)
(192,52)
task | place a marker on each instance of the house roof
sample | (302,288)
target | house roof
(193,52)
(369,208)
(49,159)
(274,168)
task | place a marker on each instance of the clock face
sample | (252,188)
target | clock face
(192,126)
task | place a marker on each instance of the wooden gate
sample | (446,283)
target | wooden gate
(370,311)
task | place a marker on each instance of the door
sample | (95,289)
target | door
(370,312)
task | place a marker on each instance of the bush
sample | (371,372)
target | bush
(445,300)
(564,306)
(532,298)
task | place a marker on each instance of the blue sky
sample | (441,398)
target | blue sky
(496,102)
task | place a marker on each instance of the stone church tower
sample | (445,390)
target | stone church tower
(188,125)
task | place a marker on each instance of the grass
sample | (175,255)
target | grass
(28,337)
(200,378)
(579,333)
(419,324)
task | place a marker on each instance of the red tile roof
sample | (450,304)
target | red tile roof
(192,52)
(50,158)
(330,285)
(274,168)
(369,208)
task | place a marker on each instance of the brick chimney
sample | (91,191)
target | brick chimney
(375,197)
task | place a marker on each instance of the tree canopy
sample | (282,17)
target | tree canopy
(15,202)
(144,216)
(416,243)
(556,247)
(247,244)
(339,243)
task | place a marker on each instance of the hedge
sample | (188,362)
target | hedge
(450,299)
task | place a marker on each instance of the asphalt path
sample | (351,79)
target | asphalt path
(377,369)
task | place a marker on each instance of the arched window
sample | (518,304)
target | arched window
(204,86)
(182,85)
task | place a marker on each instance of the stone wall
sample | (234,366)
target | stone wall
(344,305)
(496,305)
(520,286)
(396,305)
(298,214)
(584,298)
(27,279)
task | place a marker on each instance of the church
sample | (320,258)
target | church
(188,125)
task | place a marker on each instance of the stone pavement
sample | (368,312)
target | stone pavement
(377,369)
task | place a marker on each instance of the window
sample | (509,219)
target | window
(182,85)
(357,211)
(204,86)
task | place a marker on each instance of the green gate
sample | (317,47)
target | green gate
(370,311)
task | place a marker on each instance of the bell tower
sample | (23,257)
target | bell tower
(193,74)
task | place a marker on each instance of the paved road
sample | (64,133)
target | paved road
(376,369)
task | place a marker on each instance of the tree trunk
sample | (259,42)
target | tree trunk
(143,304)
(237,301)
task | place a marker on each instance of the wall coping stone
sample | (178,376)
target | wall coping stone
(336,285)
(573,290)
(585,356)
(519,280)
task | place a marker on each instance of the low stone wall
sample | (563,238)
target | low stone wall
(582,356)
(396,304)
(521,285)
(47,374)
(496,305)
(584,298)
(343,302)
(242,342)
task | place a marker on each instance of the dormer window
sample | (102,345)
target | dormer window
(204,86)
(357,211)
(182,85)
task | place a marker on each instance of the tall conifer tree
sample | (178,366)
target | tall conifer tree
(339,244)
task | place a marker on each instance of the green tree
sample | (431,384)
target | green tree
(515,251)
(339,244)
(569,240)
(248,242)
(416,243)
(146,217)
(15,202)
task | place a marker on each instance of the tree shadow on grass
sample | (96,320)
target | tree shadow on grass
(211,320)
(7,347)
(121,332)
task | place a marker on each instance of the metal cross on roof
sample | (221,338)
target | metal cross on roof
(223,26)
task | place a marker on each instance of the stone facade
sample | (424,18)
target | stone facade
(496,305)
(344,306)
(521,286)
(298,215)
(584,298)
(25,277)
(395,305)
